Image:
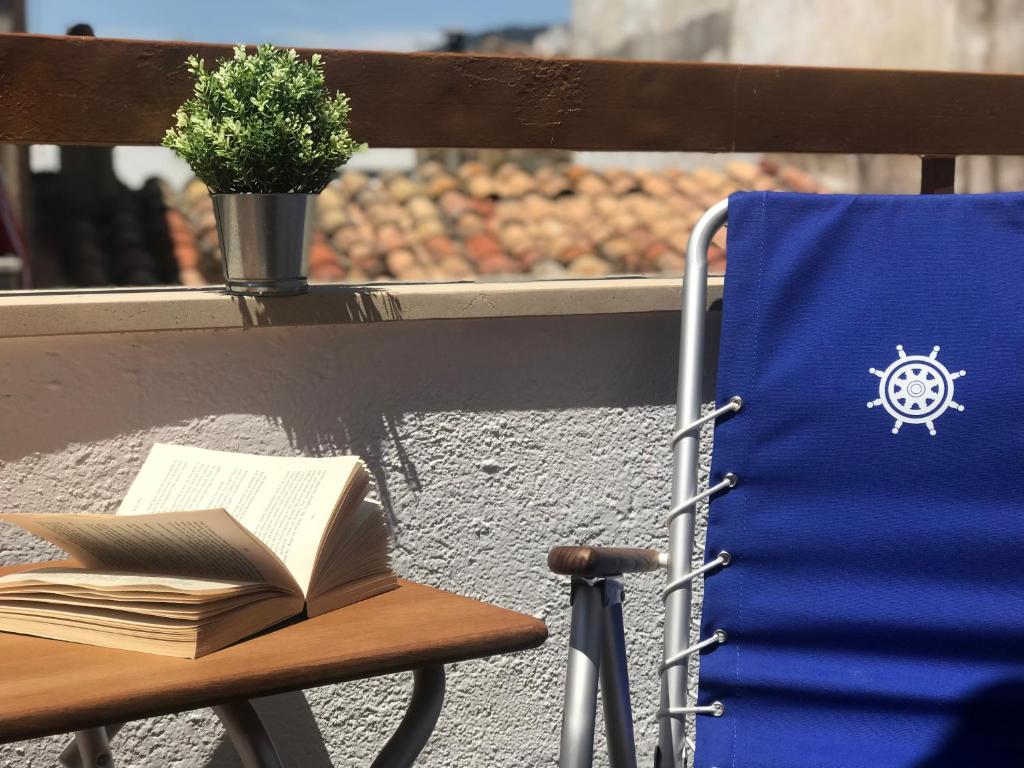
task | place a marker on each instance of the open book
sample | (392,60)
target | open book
(207,548)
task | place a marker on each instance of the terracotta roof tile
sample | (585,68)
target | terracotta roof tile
(556,221)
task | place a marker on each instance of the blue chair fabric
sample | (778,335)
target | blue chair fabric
(874,604)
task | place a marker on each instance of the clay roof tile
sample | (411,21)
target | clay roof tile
(554,221)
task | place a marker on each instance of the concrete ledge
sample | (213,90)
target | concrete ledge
(54,313)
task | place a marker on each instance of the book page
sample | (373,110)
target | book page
(62,579)
(365,535)
(105,582)
(205,544)
(286,502)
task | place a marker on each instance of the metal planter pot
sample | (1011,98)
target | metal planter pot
(265,240)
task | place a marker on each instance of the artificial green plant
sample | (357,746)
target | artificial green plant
(262,122)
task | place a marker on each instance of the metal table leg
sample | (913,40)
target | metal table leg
(248,734)
(90,749)
(420,718)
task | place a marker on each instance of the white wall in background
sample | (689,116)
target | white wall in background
(134,165)
(972,35)
(685,161)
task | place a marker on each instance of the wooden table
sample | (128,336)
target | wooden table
(50,686)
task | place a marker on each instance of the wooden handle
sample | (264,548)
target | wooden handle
(601,561)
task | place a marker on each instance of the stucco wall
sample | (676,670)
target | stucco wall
(492,439)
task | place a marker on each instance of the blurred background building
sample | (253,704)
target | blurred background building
(133,216)
(974,35)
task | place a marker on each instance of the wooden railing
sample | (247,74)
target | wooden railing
(99,91)
(73,90)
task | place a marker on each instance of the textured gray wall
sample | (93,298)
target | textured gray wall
(492,439)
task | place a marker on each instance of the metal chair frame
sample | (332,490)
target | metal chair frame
(597,656)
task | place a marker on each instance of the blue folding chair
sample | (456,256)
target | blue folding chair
(864,568)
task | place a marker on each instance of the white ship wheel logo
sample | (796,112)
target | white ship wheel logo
(916,389)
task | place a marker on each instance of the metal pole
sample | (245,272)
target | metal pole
(90,749)
(580,708)
(248,734)
(685,457)
(614,679)
(420,718)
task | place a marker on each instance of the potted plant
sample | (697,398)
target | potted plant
(265,135)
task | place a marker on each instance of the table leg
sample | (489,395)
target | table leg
(90,748)
(419,721)
(256,749)
(248,734)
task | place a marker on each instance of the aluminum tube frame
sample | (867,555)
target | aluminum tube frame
(685,463)
(414,731)
(90,748)
(579,710)
(614,681)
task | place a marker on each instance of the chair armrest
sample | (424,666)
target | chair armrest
(602,561)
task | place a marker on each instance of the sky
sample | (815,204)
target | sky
(395,25)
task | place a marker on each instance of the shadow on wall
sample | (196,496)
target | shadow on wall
(331,389)
(368,436)
(291,725)
(358,305)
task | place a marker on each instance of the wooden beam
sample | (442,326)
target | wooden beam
(98,91)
